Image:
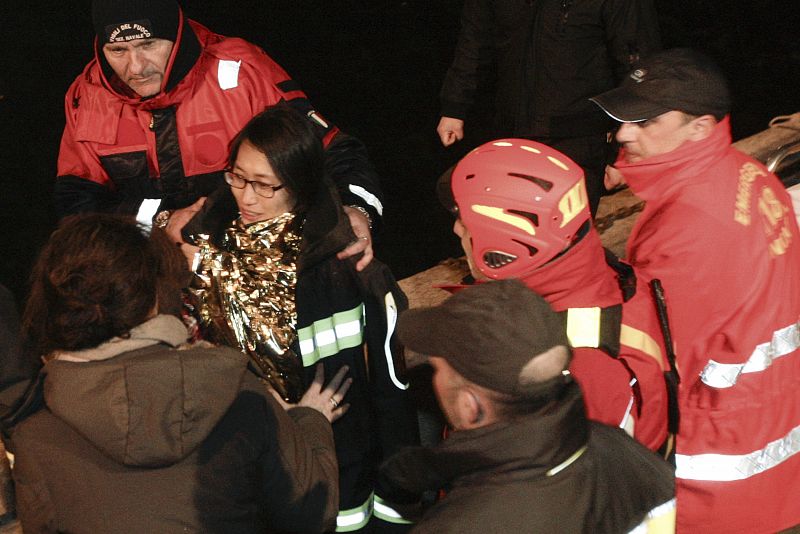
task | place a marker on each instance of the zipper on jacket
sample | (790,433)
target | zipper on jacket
(562,23)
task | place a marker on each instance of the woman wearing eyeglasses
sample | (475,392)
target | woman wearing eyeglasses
(268,280)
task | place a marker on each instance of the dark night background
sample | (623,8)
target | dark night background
(374,68)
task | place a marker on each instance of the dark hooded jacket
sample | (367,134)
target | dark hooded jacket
(545,472)
(159,439)
(336,304)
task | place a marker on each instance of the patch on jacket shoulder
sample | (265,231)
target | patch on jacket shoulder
(228,74)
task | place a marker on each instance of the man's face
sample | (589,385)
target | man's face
(466,243)
(140,63)
(654,137)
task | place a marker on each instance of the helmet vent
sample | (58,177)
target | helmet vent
(496,259)
(469,177)
(544,184)
(534,218)
(531,250)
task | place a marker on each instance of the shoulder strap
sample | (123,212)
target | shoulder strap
(625,275)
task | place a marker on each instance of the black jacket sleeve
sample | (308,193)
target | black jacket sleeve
(473,55)
(347,164)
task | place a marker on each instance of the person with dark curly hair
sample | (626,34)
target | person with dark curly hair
(142,432)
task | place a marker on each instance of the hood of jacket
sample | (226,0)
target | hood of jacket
(580,278)
(144,400)
(190,41)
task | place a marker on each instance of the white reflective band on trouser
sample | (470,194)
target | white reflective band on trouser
(659,520)
(391,322)
(724,375)
(368,197)
(354,518)
(384,512)
(326,337)
(728,467)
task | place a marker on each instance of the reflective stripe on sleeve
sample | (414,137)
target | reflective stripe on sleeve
(326,337)
(729,467)
(384,512)
(368,197)
(659,520)
(354,518)
(640,340)
(147,210)
(724,375)
(391,323)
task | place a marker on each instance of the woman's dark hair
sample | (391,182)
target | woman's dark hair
(292,147)
(97,277)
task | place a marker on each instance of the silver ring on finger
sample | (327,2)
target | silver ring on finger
(334,402)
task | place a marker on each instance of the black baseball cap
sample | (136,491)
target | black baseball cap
(490,333)
(679,79)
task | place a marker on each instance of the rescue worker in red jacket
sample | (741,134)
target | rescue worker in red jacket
(149,120)
(719,231)
(523,213)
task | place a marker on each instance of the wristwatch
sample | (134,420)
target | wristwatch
(162,218)
(364,212)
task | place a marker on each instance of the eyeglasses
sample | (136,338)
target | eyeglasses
(259,188)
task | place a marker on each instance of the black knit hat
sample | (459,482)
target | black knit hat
(679,79)
(490,333)
(125,20)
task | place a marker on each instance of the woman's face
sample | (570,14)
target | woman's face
(252,165)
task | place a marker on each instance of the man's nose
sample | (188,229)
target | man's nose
(626,132)
(137,63)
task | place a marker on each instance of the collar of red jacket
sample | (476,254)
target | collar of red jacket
(580,278)
(657,177)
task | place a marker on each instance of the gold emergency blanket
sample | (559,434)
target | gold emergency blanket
(244,294)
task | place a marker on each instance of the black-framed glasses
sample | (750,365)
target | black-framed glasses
(259,188)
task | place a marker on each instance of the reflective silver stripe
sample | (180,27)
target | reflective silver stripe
(147,210)
(384,512)
(354,518)
(368,197)
(724,375)
(326,337)
(391,323)
(728,467)
(660,519)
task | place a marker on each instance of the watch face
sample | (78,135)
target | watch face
(162,218)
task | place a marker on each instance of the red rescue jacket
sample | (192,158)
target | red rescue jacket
(719,231)
(118,149)
(581,280)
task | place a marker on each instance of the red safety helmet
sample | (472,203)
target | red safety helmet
(522,202)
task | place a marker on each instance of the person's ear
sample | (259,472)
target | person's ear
(472,409)
(701,127)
